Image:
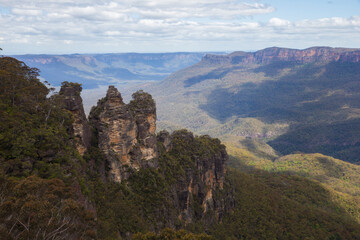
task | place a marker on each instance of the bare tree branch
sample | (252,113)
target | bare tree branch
(12,227)
(37,234)
(22,224)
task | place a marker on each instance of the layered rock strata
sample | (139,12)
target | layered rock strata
(314,54)
(126,132)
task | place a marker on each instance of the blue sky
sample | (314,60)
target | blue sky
(91,26)
(313,9)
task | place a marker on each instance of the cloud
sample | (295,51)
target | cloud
(334,22)
(118,25)
(277,22)
(163,18)
(26,12)
(146,9)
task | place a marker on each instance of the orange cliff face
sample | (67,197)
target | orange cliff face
(126,132)
(314,54)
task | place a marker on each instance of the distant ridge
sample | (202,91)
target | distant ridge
(267,55)
(296,100)
(94,70)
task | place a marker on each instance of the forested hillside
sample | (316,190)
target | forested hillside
(128,183)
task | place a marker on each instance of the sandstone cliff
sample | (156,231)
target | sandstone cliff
(203,161)
(314,54)
(80,127)
(126,132)
(192,168)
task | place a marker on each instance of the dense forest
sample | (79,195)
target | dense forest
(49,190)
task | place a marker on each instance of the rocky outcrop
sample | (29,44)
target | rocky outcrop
(204,165)
(144,110)
(80,127)
(126,132)
(314,54)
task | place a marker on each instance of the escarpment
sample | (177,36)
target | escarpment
(126,132)
(314,54)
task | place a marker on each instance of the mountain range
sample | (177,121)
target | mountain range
(295,100)
(93,70)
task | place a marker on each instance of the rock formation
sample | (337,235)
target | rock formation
(204,174)
(80,127)
(144,110)
(126,132)
(314,54)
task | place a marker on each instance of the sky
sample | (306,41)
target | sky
(109,26)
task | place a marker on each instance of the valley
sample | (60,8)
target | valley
(94,70)
(179,120)
(295,100)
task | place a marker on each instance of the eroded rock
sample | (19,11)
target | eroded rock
(126,132)
(204,174)
(80,127)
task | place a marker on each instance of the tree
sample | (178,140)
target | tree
(35,208)
(170,234)
(33,127)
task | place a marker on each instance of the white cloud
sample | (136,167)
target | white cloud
(331,22)
(277,22)
(121,24)
(20,40)
(26,12)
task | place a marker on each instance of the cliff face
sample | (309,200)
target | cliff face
(144,110)
(203,160)
(314,54)
(126,132)
(80,127)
